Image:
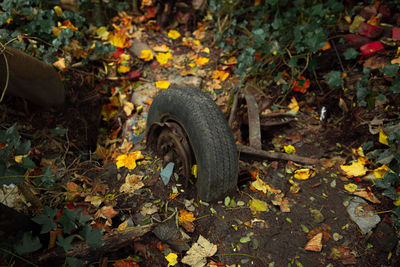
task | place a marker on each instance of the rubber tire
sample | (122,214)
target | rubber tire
(211,138)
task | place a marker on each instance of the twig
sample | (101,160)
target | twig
(233,109)
(17,256)
(275,155)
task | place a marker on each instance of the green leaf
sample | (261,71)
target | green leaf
(12,175)
(390,193)
(67,220)
(27,163)
(390,70)
(28,244)
(396,211)
(350,53)
(368,145)
(334,79)
(23,148)
(48,178)
(65,243)
(46,219)
(92,236)
(74,262)
(58,131)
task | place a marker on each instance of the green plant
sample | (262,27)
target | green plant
(15,162)
(273,34)
(35,26)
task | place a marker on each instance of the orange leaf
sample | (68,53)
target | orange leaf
(108,211)
(174,34)
(186,216)
(315,244)
(305,84)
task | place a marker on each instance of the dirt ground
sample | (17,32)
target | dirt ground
(243,237)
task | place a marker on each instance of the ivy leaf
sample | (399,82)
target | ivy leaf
(334,79)
(27,163)
(24,148)
(74,262)
(67,220)
(396,211)
(46,219)
(92,236)
(350,53)
(28,244)
(58,131)
(48,178)
(390,70)
(65,243)
(12,175)
(390,193)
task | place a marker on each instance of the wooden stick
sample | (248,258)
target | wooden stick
(232,114)
(254,121)
(112,242)
(246,150)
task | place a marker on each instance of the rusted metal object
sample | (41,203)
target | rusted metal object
(170,142)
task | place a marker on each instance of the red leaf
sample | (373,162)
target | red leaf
(371,31)
(134,75)
(396,33)
(356,40)
(371,49)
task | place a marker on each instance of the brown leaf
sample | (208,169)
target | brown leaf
(108,211)
(315,244)
(188,226)
(375,62)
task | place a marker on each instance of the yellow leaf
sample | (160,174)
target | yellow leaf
(146,55)
(161,48)
(350,187)
(200,61)
(397,201)
(102,33)
(258,205)
(129,161)
(123,226)
(186,216)
(173,34)
(289,149)
(162,58)
(58,11)
(356,168)
(294,106)
(206,50)
(60,64)
(383,138)
(123,69)
(118,40)
(381,171)
(8,21)
(220,74)
(304,174)
(172,259)
(18,158)
(260,185)
(162,84)
(194,170)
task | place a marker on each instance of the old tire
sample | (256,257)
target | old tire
(209,136)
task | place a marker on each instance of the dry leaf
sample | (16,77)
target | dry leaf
(132,183)
(174,34)
(123,69)
(197,254)
(315,244)
(108,211)
(102,33)
(356,168)
(383,138)
(304,174)
(129,161)
(282,202)
(94,200)
(260,185)
(186,216)
(60,64)
(367,194)
(146,55)
(289,149)
(200,61)
(258,205)
(162,84)
(162,58)
(172,259)
(350,187)
(294,106)
(161,48)
(381,171)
